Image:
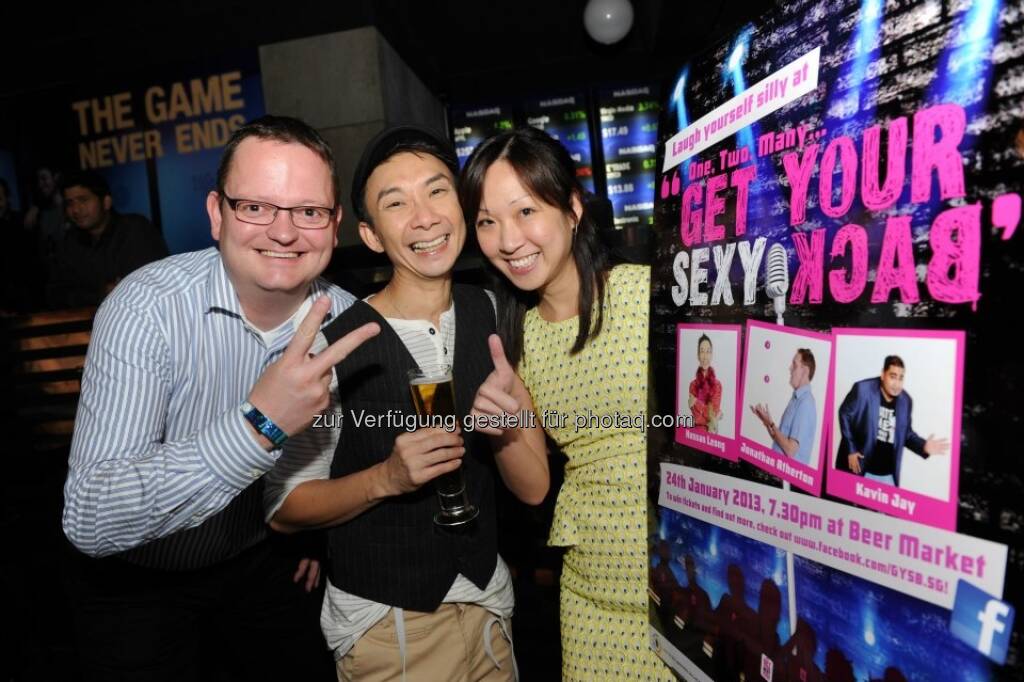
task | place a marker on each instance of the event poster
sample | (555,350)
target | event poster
(838,196)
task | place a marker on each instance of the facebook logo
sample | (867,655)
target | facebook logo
(981,621)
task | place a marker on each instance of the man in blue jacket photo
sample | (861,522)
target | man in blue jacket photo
(875,423)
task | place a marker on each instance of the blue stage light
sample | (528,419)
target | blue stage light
(965,66)
(733,72)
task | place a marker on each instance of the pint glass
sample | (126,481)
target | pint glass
(433,393)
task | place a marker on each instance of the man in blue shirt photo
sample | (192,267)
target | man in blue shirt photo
(794,435)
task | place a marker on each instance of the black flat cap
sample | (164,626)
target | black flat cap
(391,141)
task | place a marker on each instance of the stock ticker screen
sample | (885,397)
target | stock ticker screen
(629,133)
(627,125)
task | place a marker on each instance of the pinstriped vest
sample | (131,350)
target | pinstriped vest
(393,553)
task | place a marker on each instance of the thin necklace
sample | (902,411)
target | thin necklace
(394,304)
(401,313)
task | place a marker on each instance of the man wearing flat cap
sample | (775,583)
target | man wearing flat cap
(406,597)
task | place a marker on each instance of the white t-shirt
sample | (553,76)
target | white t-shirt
(292,322)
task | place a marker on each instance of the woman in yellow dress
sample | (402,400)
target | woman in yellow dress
(576,331)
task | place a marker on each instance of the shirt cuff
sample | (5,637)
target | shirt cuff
(232,452)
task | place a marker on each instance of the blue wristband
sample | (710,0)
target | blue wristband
(263,424)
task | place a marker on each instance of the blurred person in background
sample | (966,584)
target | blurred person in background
(102,245)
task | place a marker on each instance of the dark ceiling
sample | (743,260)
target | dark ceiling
(461,49)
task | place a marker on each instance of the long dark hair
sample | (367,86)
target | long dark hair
(547,171)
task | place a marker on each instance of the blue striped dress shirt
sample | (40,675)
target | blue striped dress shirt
(162,461)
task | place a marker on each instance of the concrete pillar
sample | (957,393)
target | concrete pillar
(349,86)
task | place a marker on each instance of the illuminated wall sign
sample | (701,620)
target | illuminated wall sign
(167,133)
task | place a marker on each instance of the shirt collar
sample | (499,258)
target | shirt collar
(220,292)
(319,287)
(447,316)
(802,391)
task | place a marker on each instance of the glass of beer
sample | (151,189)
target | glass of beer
(433,393)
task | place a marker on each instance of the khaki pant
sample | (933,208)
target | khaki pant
(447,645)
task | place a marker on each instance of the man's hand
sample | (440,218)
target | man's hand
(310,570)
(855,458)
(494,397)
(419,457)
(296,387)
(936,446)
(762,413)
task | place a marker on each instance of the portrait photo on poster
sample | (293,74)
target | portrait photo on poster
(707,384)
(786,375)
(894,445)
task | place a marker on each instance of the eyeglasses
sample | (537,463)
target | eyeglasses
(262,213)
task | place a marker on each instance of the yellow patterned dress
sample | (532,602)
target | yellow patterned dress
(590,403)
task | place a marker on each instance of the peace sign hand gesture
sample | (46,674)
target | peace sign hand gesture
(296,387)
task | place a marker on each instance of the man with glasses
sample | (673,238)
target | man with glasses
(198,371)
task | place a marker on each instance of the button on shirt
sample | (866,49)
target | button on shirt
(160,444)
(798,421)
(346,617)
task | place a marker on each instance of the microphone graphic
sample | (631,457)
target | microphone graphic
(777,279)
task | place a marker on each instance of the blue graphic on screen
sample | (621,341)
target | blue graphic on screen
(867,47)
(713,550)
(129,188)
(564,117)
(471,126)
(7,172)
(467,138)
(629,138)
(965,69)
(577,140)
(875,628)
(982,621)
(185,179)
